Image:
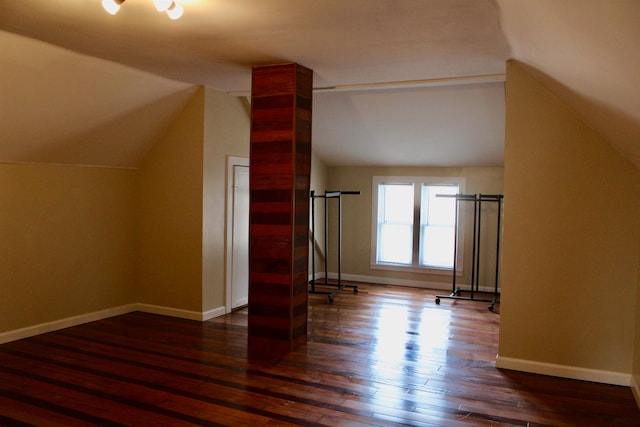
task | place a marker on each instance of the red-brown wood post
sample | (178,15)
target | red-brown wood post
(279,177)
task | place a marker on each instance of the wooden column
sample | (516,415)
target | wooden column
(280,165)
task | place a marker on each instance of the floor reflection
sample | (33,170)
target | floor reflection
(408,340)
(392,328)
(407,335)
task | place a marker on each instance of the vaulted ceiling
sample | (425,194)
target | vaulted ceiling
(399,82)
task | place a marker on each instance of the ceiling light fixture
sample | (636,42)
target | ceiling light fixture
(112,6)
(173,9)
(162,5)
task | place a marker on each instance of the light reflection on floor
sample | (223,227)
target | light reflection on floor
(404,337)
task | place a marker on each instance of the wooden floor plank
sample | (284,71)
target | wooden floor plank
(387,356)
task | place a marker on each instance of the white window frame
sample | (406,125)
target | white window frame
(418,182)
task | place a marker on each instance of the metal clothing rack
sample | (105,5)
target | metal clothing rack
(456,292)
(339,286)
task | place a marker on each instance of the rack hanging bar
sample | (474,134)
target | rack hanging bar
(344,193)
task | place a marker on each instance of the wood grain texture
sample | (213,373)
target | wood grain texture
(280,166)
(387,356)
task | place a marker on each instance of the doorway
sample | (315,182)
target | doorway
(237,274)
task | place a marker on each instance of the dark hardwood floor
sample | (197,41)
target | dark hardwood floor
(387,356)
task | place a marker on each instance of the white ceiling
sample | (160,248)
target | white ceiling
(119,80)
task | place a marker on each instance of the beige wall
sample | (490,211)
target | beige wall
(356,219)
(67,242)
(226,133)
(571,232)
(82,239)
(169,264)
(182,204)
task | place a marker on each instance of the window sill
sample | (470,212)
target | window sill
(421,270)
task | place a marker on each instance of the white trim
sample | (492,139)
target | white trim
(564,371)
(228,250)
(73,165)
(420,83)
(635,388)
(55,325)
(423,284)
(213,313)
(402,84)
(68,322)
(411,269)
(170,311)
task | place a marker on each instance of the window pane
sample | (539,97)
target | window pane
(395,223)
(437,246)
(395,243)
(397,203)
(438,210)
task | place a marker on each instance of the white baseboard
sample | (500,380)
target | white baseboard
(319,275)
(213,313)
(68,322)
(169,311)
(55,325)
(180,313)
(404,282)
(564,371)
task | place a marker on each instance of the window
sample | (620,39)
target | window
(395,223)
(437,225)
(414,225)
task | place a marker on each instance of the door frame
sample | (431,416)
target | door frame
(231,162)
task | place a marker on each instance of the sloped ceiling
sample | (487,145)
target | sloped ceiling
(62,107)
(217,42)
(588,51)
(91,88)
(106,107)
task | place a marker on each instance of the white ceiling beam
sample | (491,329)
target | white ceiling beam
(405,84)
(410,84)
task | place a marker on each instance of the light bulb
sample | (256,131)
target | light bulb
(162,5)
(175,11)
(112,6)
